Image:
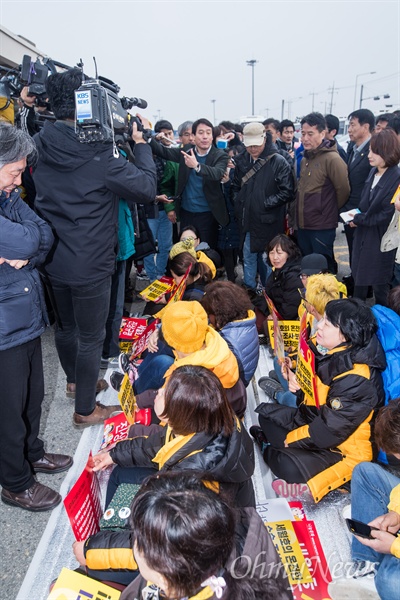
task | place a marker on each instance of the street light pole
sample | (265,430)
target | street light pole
(355,87)
(213,103)
(252,63)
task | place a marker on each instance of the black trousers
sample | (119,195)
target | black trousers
(294,465)
(204,222)
(21,396)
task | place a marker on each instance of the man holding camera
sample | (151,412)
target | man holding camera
(77,191)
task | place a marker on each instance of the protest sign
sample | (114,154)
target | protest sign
(83,503)
(285,541)
(127,399)
(288,335)
(157,289)
(115,429)
(71,585)
(140,344)
(317,588)
(177,292)
(131,329)
(305,368)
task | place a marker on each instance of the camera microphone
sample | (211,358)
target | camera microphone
(139,102)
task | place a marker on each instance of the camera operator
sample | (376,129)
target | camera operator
(77,191)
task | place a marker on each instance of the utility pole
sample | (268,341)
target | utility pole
(282,109)
(213,103)
(252,63)
(312,106)
(333,89)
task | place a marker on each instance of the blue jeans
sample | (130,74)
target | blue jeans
(253,261)
(82,312)
(153,368)
(286,398)
(161,228)
(370,490)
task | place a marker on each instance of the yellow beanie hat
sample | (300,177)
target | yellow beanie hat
(184,326)
(183,246)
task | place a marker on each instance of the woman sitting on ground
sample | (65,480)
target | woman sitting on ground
(203,251)
(283,284)
(229,312)
(320,290)
(202,433)
(185,329)
(186,541)
(320,444)
(198,277)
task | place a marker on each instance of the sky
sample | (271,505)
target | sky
(180,56)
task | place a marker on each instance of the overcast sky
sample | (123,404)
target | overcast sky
(181,55)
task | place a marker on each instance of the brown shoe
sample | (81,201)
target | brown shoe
(101,386)
(97,417)
(52,463)
(37,498)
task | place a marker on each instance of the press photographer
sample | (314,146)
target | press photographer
(78,186)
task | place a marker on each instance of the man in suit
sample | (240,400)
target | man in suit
(361,125)
(200,199)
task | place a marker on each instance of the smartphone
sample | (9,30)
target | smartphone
(359,528)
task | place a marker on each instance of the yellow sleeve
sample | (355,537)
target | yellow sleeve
(298,434)
(395,547)
(394,502)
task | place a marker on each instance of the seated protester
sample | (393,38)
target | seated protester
(372,490)
(321,445)
(311,264)
(320,290)
(282,286)
(203,251)
(229,311)
(184,327)
(181,556)
(199,276)
(202,433)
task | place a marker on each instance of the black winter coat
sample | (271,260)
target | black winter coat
(369,265)
(260,204)
(110,550)
(282,286)
(358,171)
(337,433)
(230,460)
(78,187)
(211,173)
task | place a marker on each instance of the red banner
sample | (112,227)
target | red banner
(83,504)
(141,343)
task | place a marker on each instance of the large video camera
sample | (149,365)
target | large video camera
(101,115)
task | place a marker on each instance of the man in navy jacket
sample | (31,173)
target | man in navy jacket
(25,239)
